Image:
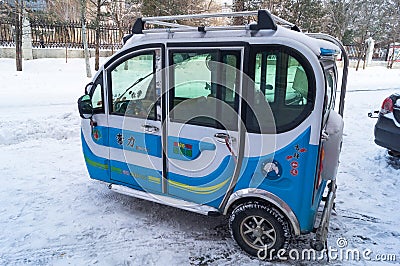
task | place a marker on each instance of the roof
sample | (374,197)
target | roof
(265,30)
(318,47)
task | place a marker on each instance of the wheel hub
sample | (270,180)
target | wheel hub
(258,232)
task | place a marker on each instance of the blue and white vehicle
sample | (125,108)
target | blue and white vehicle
(235,121)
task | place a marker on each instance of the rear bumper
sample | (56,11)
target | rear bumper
(387,134)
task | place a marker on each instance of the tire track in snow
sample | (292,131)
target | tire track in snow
(76,251)
(214,244)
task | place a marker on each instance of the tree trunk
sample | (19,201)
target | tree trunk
(238,6)
(18,35)
(97,41)
(365,60)
(84,39)
(359,58)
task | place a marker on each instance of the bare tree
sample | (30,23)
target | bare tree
(173,7)
(238,6)
(84,38)
(65,10)
(392,26)
(123,13)
(367,24)
(15,11)
(340,16)
(97,11)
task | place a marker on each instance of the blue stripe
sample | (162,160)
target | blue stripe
(100,170)
(130,140)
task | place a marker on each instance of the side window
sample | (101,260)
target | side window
(330,91)
(192,75)
(283,94)
(231,75)
(203,90)
(330,88)
(296,84)
(97,95)
(265,76)
(132,84)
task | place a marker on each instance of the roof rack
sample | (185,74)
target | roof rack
(265,21)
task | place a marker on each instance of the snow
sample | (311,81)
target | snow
(52,213)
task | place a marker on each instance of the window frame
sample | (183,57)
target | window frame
(98,81)
(221,52)
(123,58)
(280,93)
(326,69)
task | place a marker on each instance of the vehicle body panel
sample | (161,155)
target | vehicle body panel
(120,149)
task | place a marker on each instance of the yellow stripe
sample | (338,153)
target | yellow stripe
(96,164)
(154,179)
(194,189)
(199,190)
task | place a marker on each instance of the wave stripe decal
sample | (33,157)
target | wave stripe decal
(157,180)
(96,164)
(199,190)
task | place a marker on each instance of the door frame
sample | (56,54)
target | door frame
(243,48)
(121,57)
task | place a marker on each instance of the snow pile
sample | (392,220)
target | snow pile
(53,127)
(52,213)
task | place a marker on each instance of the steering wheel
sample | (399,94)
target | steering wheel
(120,106)
(130,107)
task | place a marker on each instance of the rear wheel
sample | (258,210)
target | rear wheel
(258,228)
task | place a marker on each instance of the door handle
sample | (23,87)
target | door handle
(227,140)
(150,128)
(221,137)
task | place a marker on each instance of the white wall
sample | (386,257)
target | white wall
(9,52)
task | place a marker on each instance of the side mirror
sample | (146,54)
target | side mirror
(85,107)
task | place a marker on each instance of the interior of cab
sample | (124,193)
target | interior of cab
(203,91)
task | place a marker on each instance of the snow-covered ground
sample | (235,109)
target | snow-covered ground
(52,213)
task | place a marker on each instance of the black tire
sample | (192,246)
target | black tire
(393,153)
(255,225)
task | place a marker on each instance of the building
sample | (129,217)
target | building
(37,5)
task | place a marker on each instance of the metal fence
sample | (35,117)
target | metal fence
(47,34)
(380,53)
(7,33)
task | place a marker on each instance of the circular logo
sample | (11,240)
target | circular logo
(271,170)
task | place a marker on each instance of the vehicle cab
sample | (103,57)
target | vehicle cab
(236,121)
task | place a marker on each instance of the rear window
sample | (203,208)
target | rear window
(330,91)
(283,80)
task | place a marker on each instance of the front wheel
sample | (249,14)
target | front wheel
(259,229)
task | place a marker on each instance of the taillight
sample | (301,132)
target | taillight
(387,106)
